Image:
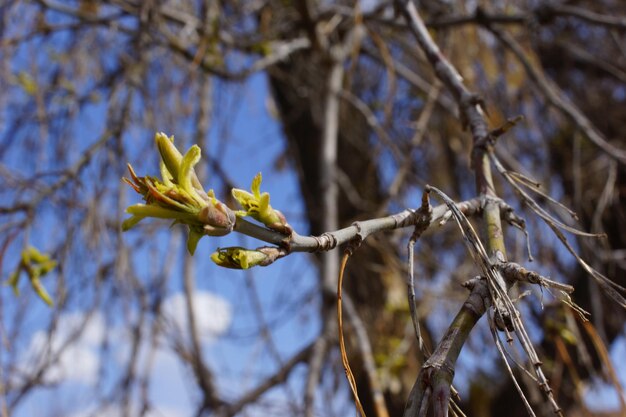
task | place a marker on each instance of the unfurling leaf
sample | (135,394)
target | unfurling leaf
(179,195)
(170,156)
(192,240)
(36,265)
(257,205)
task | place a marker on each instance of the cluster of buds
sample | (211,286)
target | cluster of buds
(179,196)
(36,265)
(257,206)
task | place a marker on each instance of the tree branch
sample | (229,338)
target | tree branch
(362,229)
(435,378)
(557,98)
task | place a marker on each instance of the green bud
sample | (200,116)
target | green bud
(14,280)
(131,222)
(149,210)
(41,291)
(218,218)
(36,265)
(239,258)
(179,195)
(169,154)
(257,205)
(187,175)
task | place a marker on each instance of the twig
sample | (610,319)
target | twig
(330,240)
(316,362)
(516,272)
(365,348)
(277,377)
(203,374)
(342,344)
(426,210)
(613,289)
(420,130)
(557,98)
(617,22)
(606,360)
(501,350)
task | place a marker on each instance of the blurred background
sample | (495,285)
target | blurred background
(140,328)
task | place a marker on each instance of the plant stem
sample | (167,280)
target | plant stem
(435,378)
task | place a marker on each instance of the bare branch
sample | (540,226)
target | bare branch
(617,22)
(557,98)
(275,379)
(436,375)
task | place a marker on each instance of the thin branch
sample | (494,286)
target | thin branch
(203,374)
(469,102)
(420,131)
(516,272)
(613,289)
(265,332)
(557,98)
(417,232)
(342,344)
(316,362)
(501,350)
(330,240)
(372,121)
(275,379)
(616,22)
(365,348)
(413,78)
